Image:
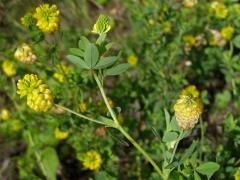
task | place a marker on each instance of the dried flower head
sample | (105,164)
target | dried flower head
(188,108)
(24,53)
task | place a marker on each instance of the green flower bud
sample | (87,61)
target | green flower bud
(102,26)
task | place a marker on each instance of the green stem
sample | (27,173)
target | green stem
(120,128)
(80,115)
(176,145)
(38,157)
(202,137)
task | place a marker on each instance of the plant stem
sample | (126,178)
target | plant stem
(80,115)
(36,154)
(120,128)
(202,137)
(176,145)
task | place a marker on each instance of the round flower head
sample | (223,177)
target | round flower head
(219,9)
(24,53)
(5,114)
(9,68)
(47,17)
(27,20)
(61,135)
(92,160)
(39,96)
(102,26)
(188,108)
(132,60)
(227,32)
(189,3)
(217,39)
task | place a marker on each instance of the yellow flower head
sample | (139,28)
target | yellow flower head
(189,39)
(92,160)
(9,68)
(167,27)
(61,135)
(24,53)
(5,114)
(47,17)
(39,96)
(132,60)
(102,26)
(237,174)
(188,108)
(27,20)
(83,107)
(219,9)
(189,3)
(227,32)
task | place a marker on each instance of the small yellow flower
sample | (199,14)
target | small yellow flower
(132,60)
(61,135)
(189,39)
(219,9)
(39,96)
(24,53)
(227,32)
(47,18)
(151,22)
(83,107)
(188,108)
(237,174)
(27,20)
(5,114)
(167,27)
(9,68)
(102,26)
(16,125)
(92,160)
(59,75)
(189,3)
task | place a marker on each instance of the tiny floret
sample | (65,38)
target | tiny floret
(188,108)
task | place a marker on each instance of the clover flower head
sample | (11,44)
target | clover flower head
(5,114)
(227,32)
(9,68)
(47,18)
(132,60)
(39,96)
(27,19)
(92,160)
(102,26)
(24,53)
(83,107)
(61,135)
(189,3)
(219,9)
(188,108)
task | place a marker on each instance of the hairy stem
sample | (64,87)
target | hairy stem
(176,145)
